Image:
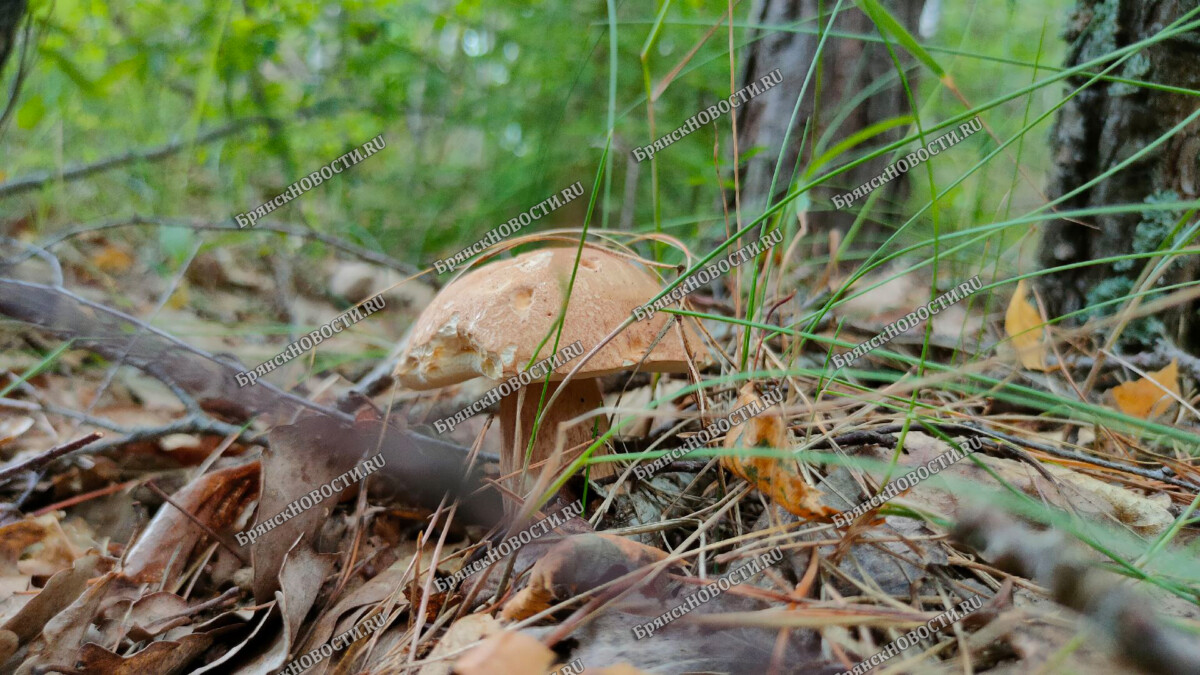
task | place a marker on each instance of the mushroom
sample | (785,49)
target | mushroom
(488,322)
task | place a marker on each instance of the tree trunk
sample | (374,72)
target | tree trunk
(848,67)
(1103,126)
(11,12)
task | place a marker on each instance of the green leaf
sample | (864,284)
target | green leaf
(31,112)
(176,242)
(120,72)
(887,23)
(85,84)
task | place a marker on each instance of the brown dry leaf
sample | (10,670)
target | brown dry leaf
(688,646)
(216,499)
(1021,323)
(891,297)
(304,573)
(302,457)
(60,591)
(52,549)
(62,635)
(466,631)
(15,591)
(165,656)
(507,653)
(578,564)
(1144,515)
(780,480)
(1145,397)
(12,427)
(224,663)
(112,259)
(150,615)
(353,605)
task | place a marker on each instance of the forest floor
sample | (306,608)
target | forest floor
(1027,520)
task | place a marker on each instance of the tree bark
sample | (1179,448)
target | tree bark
(1105,125)
(848,67)
(11,12)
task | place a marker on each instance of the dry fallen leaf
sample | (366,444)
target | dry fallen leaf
(780,480)
(8,645)
(302,457)
(1025,326)
(165,547)
(354,604)
(60,591)
(466,631)
(164,656)
(575,565)
(1144,515)
(61,636)
(507,653)
(49,548)
(12,427)
(1147,397)
(150,615)
(112,259)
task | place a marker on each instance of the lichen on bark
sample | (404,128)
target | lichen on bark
(1104,125)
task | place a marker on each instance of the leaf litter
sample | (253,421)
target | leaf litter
(176,593)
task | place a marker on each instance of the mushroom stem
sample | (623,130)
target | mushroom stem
(517,417)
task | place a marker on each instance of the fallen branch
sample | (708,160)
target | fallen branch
(48,456)
(956,429)
(420,468)
(289,230)
(1164,352)
(107,332)
(192,424)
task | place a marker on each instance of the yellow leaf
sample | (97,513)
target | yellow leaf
(1144,398)
(112,260)
(778,479)
(180,298)
(1025,326)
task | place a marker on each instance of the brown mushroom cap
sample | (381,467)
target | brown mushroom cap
(488,322)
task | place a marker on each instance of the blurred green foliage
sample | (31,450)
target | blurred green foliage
(487,108)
